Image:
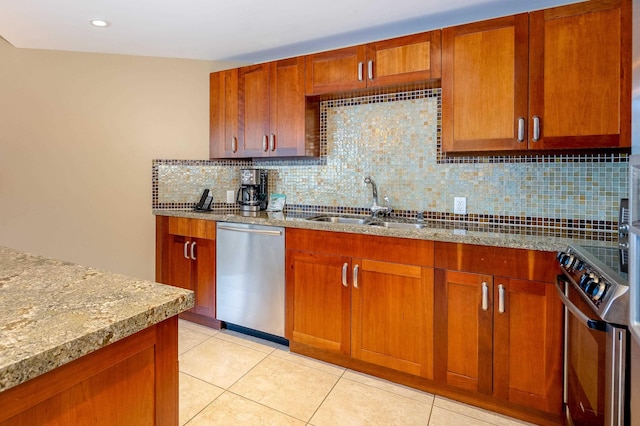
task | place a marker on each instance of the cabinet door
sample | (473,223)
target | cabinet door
(223,114)
(336,70)
(580,75)
(485,85)
(404,59)
(204,277)
(318,307)
(464,330)
(392,316)
(528,344)
(177,270)
(287,110)
(253,119)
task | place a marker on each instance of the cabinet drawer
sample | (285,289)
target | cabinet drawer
(196,228)
(530,265)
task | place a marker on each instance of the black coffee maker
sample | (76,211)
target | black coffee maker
(252,195)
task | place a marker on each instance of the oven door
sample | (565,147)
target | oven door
(595,364)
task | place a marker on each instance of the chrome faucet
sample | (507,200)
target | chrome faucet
(375,208)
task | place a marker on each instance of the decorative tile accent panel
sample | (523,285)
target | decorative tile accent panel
(395,139)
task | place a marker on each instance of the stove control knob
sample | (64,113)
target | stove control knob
(585,280)
(598,291)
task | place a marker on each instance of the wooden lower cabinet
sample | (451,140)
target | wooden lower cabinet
(186,257)
(372,310)
(482,325)
(498,335)
(133,381)
(392,316)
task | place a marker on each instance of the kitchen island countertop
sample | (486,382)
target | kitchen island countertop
(53,312)
(496,236)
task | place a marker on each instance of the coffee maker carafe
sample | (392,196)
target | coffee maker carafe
(252,194)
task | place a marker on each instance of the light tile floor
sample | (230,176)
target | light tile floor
(228,378)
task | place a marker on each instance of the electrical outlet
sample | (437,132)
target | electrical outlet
(460,205)
(231,197)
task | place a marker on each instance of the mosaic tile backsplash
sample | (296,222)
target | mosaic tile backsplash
(395,140)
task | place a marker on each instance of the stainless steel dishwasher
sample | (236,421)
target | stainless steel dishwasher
(250,276)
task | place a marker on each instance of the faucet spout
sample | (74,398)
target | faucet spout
(370,181)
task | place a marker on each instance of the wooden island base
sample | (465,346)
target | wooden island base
(133,381)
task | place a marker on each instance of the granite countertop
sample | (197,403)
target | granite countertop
(53,312)
(496,236)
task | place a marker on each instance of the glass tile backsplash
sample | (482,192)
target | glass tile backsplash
(395,140)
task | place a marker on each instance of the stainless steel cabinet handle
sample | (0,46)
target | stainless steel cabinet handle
(234,144)
(485,296)
(536,128)
(521,129)
(360,73)
(186,254)
(370,70)
(193,250)
(264,142)
(344,275)
(501,299)
(272,142)
(355,276)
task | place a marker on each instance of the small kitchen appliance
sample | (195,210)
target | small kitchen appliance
(252,195)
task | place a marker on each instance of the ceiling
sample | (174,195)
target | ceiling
(237,30)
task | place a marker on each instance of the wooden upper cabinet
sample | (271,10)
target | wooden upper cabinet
(259,111)
(253,101)
(484,85)
(400,60)
(404,59)
(580,66)
(287,108)
(553,79)
(336,70)
(223,114)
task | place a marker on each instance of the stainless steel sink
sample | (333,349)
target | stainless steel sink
(341,219)
(398,225)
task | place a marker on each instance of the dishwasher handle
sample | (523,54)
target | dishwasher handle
(251,231)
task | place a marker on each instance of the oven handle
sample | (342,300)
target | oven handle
(591,323)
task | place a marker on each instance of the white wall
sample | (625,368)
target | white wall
(78,132)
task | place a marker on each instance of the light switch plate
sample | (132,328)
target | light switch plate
(231,197)
(460,205)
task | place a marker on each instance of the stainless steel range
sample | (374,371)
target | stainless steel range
(594,289)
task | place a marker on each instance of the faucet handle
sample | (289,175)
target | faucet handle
(389,208)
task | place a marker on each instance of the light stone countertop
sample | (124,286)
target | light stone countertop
(53,312)
(509,236)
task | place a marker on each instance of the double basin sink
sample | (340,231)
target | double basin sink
(369,221)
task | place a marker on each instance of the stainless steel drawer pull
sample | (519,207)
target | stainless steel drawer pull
(360,72)
(272,142)
(501,299)
(265,142)
(536,128)
(485,296)
(521,129)
(370,70)
(193,251)
(234,144)
(344,275)
(355,276)
(186,254)
(251,231)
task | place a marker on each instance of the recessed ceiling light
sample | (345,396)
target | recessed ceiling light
(100,23)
